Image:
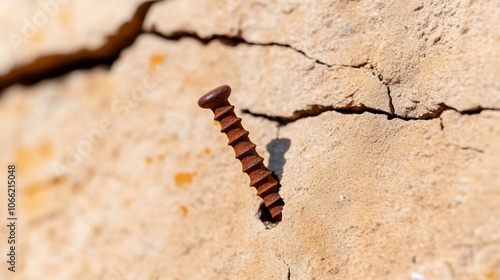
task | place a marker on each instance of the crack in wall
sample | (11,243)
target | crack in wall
(477,150)
(316,110)
(313,110)
(289,274)
(386,84)
(53,66)
(236,40)
(228,40)
(57,65)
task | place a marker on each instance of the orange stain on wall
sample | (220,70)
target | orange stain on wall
(37,38)
(36,195)
(33,196)
(64,17)
(184,210)
(491,276)
(156,59)
(32,156)
(183,178)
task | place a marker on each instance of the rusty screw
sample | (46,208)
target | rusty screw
(260,177)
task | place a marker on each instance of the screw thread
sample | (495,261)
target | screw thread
(252,164)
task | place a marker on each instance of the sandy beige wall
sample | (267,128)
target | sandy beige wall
(381,118)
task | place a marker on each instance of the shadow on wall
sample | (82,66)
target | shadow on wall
(277,149)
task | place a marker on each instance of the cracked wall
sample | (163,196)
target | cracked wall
(379,117)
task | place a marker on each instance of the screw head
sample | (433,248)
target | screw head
(215,98)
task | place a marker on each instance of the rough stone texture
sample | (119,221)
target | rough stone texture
(32,29)
(388,160)
(421,49)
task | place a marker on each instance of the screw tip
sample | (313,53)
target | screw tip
(215,98)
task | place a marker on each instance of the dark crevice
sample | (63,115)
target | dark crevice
(235,40)
(230,41)
(472,149)
(477,110)
(289,276)
(385,83)
(280,120)
(391,105)
(441,107)
(436,112)
(179,35)
(316,110)
(52,66)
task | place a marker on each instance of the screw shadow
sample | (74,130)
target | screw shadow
(277,149)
